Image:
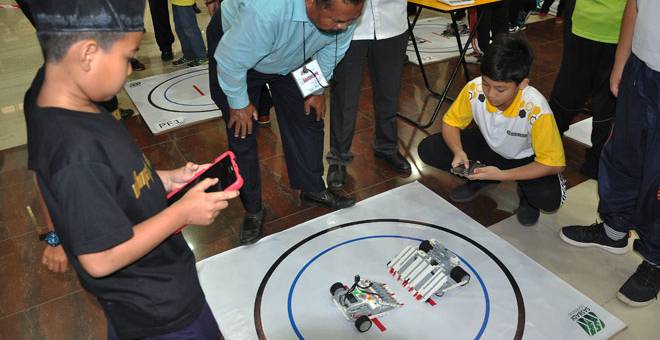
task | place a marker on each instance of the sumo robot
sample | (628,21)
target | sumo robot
(362,301)
(428,270)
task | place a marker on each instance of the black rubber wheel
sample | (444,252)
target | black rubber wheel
(363,323)
(425,246)
(458,274)
(335,286)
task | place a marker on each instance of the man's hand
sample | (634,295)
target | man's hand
(318,104)
(55,259)
(212,6)
(241,120)
(492,173)
(460,158)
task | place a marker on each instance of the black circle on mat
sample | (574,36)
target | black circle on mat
(151,101)
(520,326)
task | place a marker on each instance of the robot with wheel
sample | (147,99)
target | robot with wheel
(428,269)
(363,301)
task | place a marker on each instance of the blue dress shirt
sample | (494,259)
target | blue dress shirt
(267,36)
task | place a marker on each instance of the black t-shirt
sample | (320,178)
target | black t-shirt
(97,185)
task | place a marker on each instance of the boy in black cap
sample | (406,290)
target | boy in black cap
(107,202)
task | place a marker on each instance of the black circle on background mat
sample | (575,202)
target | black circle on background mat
(152,103)
(520,326)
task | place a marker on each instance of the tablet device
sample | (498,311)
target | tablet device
(224,168)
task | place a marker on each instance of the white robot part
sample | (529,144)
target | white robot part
(427,270)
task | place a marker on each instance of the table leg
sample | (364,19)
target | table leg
(461,60)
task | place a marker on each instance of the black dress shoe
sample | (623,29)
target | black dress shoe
(251,228)
(166,55)
(397,161)
(328,198)
(336,176)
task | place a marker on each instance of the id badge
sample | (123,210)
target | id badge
(309,78)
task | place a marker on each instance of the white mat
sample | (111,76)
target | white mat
(580,131)
(283,281)
(174,100)
(596,273)
(433,47)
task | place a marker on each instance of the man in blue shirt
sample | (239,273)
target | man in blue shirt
(257,42)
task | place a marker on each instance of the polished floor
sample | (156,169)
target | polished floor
(37,304)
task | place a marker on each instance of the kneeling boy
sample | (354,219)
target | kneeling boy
(515,135)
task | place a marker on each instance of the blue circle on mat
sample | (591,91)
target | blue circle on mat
(327,250)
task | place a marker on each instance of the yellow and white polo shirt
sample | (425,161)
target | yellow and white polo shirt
(527,127)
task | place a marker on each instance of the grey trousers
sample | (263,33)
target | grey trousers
(385,61)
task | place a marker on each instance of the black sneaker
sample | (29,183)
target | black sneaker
(469,190)
(642,287)
(181,61)
(593,236)
(527,215)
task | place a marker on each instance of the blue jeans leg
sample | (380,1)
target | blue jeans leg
(190,37)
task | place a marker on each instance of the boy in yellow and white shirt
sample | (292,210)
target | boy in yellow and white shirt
(516,136)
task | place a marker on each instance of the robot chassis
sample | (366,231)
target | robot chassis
(427,270)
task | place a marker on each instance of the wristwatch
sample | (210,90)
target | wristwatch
(50,238)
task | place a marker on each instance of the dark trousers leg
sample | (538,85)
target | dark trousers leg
(560,8)
(213,35)
(246,150)
(545,7)
(494,21)
(385,67)
(302,136)
(584,74)
(483,31)
(545,193)
(629,177)
(160,15)
(344,101)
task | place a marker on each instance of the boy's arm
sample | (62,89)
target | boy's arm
(529,171)
(452,137)
(458,117)
(53,257)
(196,207)
(625,45)
(548,150)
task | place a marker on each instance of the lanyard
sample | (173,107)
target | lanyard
(305,54)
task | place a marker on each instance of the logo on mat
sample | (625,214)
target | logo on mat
(588,320)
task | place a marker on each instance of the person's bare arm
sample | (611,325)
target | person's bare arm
(525,172)
(54,258)
(196,207)
(624,47)
(452,137)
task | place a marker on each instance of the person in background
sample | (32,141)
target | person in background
(587,61)
(380,41)
(190,37)
(263,42)
(629,170)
